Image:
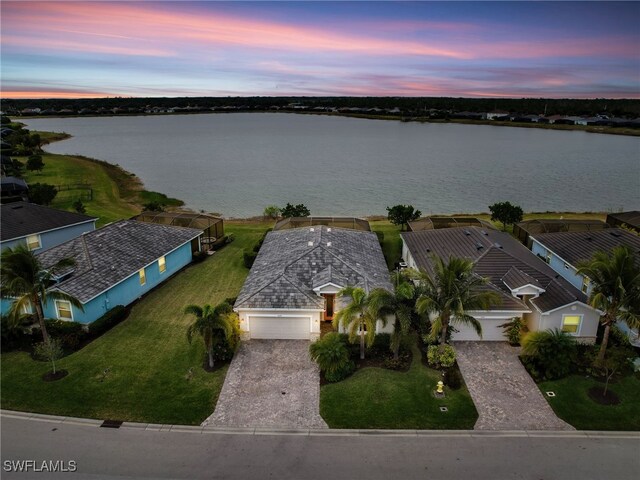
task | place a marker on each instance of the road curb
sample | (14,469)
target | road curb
(327,432)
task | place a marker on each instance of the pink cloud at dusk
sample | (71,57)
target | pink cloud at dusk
(315,48)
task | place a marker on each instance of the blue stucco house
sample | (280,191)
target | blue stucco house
(39,227)
(563,251)
(116,265)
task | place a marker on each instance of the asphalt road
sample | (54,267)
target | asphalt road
(138,453)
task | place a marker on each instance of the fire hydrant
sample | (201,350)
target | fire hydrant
(440,390)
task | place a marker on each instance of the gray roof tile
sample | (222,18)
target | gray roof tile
(292,262)
(495,254)
(22,218)
(112,253)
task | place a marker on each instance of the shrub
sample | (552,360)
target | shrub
(514,329)
(224,348)
(441,356)
(453,378)
(70,334)
(78,206)
(332,356)
(399,363)
(108,320)
(551,353)
(248,258)
(42,193)
(12,334)
(229,238)
(199,256)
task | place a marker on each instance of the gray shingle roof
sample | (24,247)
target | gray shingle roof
(574,247)
(495,254)
(112,253)
(22,218)
(292,262)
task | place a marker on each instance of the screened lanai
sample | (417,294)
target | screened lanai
(213,227)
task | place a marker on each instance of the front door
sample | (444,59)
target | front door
(329,304)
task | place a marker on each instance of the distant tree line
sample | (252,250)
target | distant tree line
(408,105)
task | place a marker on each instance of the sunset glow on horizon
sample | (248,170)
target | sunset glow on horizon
(461,49)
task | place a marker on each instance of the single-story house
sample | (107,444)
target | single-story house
(39,227)
(528,287)
(13,188)
(293,282)
(563,251)
(116,265)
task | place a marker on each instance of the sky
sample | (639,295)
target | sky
(463,49)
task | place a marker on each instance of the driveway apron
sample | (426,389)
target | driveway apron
(505,395)
(270,383)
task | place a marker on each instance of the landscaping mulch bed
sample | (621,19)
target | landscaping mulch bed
(216,365)
(596,394)
(52,377)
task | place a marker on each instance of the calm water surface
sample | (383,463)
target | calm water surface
(236,164)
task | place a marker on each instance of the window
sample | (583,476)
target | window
(64,310)
(33,242)
(571,323)
(162,264)
(585,284)
(143,277)
(26,308)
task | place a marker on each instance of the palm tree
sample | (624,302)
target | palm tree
(383,302)
(209,321)
(451,293)
(616,289)
(25,279)
(357,318)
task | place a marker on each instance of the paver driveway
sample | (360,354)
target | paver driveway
(270,383)
(506,397)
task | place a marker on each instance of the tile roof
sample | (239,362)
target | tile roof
(22,218)
(574,247)
(516,278)
(292,262)
(497,256)
(112,253)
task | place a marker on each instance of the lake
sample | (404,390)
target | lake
(238,163)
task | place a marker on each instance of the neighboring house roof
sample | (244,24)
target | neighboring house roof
(12,184)
(500,258)
(106,256)
(574,247)
(293,262)
(432,223)
(632,219)
(20,219)
(338,222)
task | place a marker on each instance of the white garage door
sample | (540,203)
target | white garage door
(490,331)
(288,328)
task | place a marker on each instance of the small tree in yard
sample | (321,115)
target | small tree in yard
(616,289)
(42,193)
(78,206)
(506,213)
(402,215)
(209,322)
(153,206)
(299,210)
(271,211)
(51,351)
(35,163)
(616,359)
(356,318)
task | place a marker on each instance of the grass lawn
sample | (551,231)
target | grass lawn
(392,243)
(573,405)
(380,398)
(147,355)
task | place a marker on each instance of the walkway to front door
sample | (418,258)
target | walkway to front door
(270,383)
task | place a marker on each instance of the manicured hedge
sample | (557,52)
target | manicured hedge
(108,320)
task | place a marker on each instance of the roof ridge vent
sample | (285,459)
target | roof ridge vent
(479,246)
(615,233)
(498,245)
(328,244)
(312,229)
(484,232)
(310,243)
(467,232)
